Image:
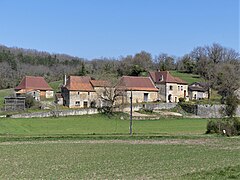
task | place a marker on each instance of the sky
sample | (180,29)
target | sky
(113,28)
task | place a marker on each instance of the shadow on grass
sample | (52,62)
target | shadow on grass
(93,136)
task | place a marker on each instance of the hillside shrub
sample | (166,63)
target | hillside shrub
(146,110)
(105,110)
(29,101)
(181,100)
(189,108)
(229,127)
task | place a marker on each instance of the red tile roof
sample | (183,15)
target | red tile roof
(79,83)
(162,77)
(136,84)
(99,83)
(180,81)
(32,82)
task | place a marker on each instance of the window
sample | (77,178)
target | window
(181,88)
(77,103)
(88,93)
(178,88)
(175,99)
(171,88)
(78,93)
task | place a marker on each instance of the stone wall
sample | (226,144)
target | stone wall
(56,113)
(212,111)
(157,106)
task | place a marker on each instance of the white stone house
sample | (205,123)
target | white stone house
(170,88)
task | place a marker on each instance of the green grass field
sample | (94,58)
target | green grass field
(56,85)
(100,124)
(205,158)
(189,78)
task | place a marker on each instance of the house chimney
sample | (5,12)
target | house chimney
(64,80)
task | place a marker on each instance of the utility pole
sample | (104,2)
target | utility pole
(130,126)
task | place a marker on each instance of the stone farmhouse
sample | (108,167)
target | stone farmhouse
(142,88)
(198,90)
(35,86)
(82,92)
(170,88)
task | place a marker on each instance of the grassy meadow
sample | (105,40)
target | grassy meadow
(189,78)
(100,125)
(56,85)
(203,158)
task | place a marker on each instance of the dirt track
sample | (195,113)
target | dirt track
(171,141)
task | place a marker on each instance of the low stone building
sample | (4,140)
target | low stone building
(198,90)
(142,88)
(170,88)
(35,86)
(82,92)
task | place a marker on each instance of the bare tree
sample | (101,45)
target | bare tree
(165,62)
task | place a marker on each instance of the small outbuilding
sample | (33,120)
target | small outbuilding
(35,86)
(198,90)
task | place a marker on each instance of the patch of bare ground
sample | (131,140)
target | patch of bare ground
(166,142)
(169,113)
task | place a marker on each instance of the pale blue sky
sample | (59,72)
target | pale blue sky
(111,28)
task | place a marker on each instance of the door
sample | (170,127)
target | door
(145,97)
(85,104)
(170,98)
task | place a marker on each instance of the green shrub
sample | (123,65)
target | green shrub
(145,110)
(181,100)
(190,108)
(105,110)
(213,127)
(229,127)
(29,101)
(236,124)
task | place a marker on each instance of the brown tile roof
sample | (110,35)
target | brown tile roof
(99,83)
(198,86)
(136,84)
(180,81)
(162,77)
(32,82)
(79,83)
